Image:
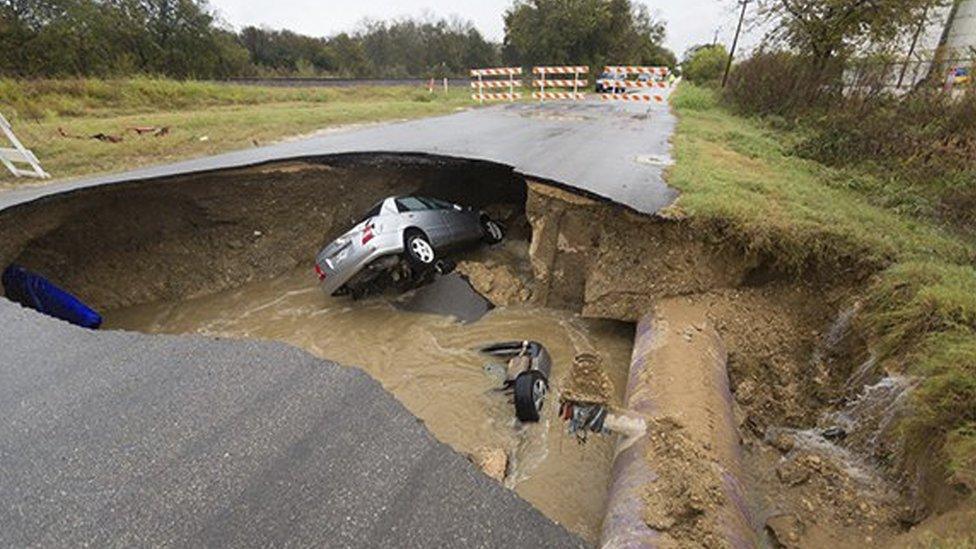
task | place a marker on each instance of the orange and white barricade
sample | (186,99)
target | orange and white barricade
(654,95)
(566,85)
(481,84)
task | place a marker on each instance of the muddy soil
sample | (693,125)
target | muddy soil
(796,363)
(429,363)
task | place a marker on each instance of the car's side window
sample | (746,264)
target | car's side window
(439,204)
(411,204)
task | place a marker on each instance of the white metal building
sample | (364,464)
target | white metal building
(960,36)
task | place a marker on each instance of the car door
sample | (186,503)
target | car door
(454,228)
(453,222)
(420,213)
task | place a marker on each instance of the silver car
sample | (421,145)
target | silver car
(401,236)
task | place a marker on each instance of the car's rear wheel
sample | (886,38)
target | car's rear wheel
(492,230)
(419,251)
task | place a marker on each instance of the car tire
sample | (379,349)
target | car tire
(418,249)
(492,230)
(530,394)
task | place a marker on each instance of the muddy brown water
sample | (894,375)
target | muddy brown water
(429,363)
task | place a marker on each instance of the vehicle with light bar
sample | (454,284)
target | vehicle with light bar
(400,239)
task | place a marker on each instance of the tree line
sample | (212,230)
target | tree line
(186,39)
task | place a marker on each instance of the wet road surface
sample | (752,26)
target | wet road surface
(614,150)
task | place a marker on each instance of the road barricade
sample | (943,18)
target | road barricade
(562,87)
(627,82)
(494,83)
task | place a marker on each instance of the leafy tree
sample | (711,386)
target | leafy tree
(591,32)
(351,56)
(824,30)
(705,64)
(283,51)
(113,37)
(182,39)
(397,48)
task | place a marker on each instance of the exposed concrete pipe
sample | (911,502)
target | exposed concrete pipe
(679,385)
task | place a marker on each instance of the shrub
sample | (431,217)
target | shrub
(779,83)
(924,136)
(705,64)
(693,98)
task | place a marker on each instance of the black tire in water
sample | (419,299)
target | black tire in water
(419,251)
(492,230)
(530,394)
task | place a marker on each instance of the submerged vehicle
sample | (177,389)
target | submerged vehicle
(400,238)
(526,375)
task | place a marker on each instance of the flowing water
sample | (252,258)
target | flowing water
(429,363)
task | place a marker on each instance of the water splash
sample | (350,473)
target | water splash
(870,418)
(858,380)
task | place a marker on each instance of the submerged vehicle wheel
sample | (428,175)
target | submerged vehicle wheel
(492,230)
(530,394)
(419,251)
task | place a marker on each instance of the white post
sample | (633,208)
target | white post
(575,82)
(445,85)
(481,90)
(511,86)
(542,85)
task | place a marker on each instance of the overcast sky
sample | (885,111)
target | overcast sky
(690,22)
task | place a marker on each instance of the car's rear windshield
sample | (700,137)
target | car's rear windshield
(373,212)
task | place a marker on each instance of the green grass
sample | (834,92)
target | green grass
(203,118)
(739,175)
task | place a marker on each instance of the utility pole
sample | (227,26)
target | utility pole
(735,41)
(911,49)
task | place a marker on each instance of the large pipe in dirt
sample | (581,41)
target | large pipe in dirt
(681,481)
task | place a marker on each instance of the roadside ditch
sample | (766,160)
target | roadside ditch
(230,254)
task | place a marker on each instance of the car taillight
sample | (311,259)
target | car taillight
(368,233)
(319,272)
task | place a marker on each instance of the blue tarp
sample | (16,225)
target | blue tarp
(35,291)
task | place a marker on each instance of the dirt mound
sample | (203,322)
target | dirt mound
(499,283)
(588,382)
(683,500)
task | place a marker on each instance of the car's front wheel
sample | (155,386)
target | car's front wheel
(419,251)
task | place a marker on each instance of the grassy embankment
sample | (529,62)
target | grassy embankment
(741,176)
(203,118)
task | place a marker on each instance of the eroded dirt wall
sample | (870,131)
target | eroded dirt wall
(604,261)
(796,361)
(608,262)
(176,238)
